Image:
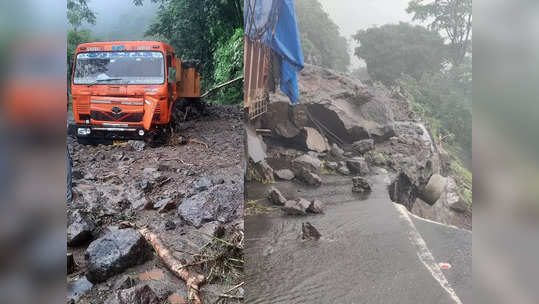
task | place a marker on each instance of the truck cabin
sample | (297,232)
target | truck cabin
(128,87)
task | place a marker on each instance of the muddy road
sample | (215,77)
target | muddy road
(365,254)
(189,192)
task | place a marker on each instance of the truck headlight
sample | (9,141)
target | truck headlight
(141,132)
(83,131)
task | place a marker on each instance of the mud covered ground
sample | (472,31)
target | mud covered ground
(130,181)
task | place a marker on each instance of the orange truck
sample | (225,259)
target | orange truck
(129,89)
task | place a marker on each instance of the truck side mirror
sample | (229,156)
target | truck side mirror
(179,71)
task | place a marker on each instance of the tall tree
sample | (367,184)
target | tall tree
(393,50)
(321,41)
(78,12)
(452,18)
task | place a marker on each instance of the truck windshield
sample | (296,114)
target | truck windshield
(119,68)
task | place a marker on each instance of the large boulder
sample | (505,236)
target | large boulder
(261,171)
(284,174)
(114,252)
(434,188)
(358,165)
(309,177)
(221,202)
(316,207)
(336,151)
(276,197)
(313,140)
(277,118)
(79,229)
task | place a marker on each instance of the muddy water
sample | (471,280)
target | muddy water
(364,255)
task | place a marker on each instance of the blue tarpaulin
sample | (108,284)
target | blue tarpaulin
(274,23)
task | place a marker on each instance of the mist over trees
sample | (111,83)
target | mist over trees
(321,41)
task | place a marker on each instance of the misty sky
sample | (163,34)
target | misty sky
(353,15)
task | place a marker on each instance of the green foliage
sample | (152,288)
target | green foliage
(78,12)
(463,178)
(74,38)
(453,18)
(321,41)
(396,49)
(196,28)
(444,100)
(228,60)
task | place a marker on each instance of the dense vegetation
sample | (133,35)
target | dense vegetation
(433,64)
(320,39)
(205,30)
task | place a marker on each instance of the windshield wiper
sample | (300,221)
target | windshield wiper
(100,80)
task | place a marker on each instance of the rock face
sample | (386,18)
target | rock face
(358,165)
(141,294)
(221,202)
(434,188)
(116,251)
(308,232)
(313,140)
(296,207)
(79,229)
(285,174)
(363,146)
(316,207)
(275,197)
(360,185)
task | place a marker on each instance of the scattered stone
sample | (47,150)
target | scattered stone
(77,174)
(216,180)
(71,265)
(146,185)
(203,184)
(263,171)
(332,165)
(306,162)
(125,282)
(360,185)
(363,145)
(433,190)
(276,197)
(313,140)
(79,229)
(137,145)
(344,170)
(149,170)
(141,294)
(75,289)
(296,207)
(163,168)
(221,202)
(309,178)
(336,151)
(170,225)
(308,232)
(166,206)
(456,202)
(214,228)
(358,165)
(141,203)
(316,207)
(285,174)
(114,252)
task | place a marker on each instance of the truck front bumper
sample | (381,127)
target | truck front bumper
(106,131)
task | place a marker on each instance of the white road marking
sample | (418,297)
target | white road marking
(424,254)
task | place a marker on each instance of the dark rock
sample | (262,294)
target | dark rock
(79,229)
(358,165)
(221,202)
(114,252)
(71,265)
(360,185)
(203,184)
(137,145)
(141,203)
(163,168)
(296,207)
(308,232)
(316,206)
(141,294)
(77,174)
(276,197)
(285,174)
(363,145)
(170,225)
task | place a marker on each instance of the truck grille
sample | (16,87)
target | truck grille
(119,117)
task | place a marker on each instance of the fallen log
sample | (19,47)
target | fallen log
(192,280)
